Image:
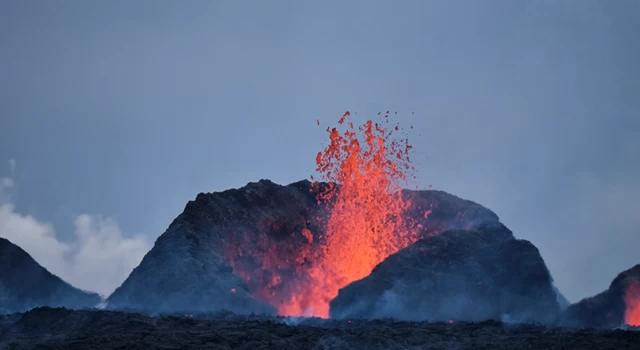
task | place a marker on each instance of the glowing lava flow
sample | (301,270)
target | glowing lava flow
(365,168)
(632,303)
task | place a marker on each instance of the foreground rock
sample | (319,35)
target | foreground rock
(475,275)
(242,249)
(25,284)
(606,309)
(47,328)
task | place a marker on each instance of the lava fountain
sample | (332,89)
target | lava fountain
(362,173)
(632,304)
(366,168)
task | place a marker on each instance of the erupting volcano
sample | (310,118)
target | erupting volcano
(632,305)
(363,170)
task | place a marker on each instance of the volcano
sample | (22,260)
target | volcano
(248,250)
(25,284)
(616,306)
(291,249)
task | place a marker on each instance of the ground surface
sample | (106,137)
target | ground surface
(47,328)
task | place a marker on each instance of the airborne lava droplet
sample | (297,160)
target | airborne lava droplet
(346,114)
(308,235)
(632,304)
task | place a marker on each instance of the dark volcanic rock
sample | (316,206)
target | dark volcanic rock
(606,309)
(189,268)
(186,270)
(25,284)
(461,275)
(184,273)
(47,328)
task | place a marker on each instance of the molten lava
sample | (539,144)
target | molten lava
(363,170)
(632,305)
(366,168)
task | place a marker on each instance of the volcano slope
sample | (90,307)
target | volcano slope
(475,275)
(248,250)
(618,305)
(25,284)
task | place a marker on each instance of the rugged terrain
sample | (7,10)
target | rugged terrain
(25,284)
(46,328)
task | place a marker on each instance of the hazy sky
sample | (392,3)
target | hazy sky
(113,114)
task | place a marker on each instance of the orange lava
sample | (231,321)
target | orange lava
(366,223)
(632,303)
(365,168)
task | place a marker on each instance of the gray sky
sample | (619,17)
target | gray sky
(116,113)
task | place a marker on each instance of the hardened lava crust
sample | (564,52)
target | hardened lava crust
(58,328)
